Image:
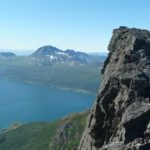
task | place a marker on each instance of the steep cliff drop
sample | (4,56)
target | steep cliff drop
(120,117)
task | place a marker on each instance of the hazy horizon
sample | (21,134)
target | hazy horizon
(80,25)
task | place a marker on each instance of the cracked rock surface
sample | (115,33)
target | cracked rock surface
(120,117)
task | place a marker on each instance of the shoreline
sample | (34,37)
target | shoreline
(67,89)
(74,90)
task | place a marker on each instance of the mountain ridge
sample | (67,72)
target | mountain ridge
(52,55)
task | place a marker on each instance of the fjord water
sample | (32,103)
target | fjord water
(22,102)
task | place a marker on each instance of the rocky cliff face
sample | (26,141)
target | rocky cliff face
(120,117)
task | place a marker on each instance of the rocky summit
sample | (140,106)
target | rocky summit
(120,117)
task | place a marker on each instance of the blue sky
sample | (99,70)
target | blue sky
(84,25)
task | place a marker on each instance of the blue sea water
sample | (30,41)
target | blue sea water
(23,103)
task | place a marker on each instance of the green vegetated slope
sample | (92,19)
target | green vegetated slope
(83,77)
(65,133)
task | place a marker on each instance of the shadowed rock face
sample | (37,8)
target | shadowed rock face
(120,117)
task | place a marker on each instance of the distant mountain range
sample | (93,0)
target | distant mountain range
(48,55)
(53,55)
(6,54)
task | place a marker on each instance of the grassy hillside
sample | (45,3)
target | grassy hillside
(76,77)
(65,133)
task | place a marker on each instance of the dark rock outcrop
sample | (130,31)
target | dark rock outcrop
(120,117)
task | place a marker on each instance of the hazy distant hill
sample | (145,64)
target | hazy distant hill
(6,54)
